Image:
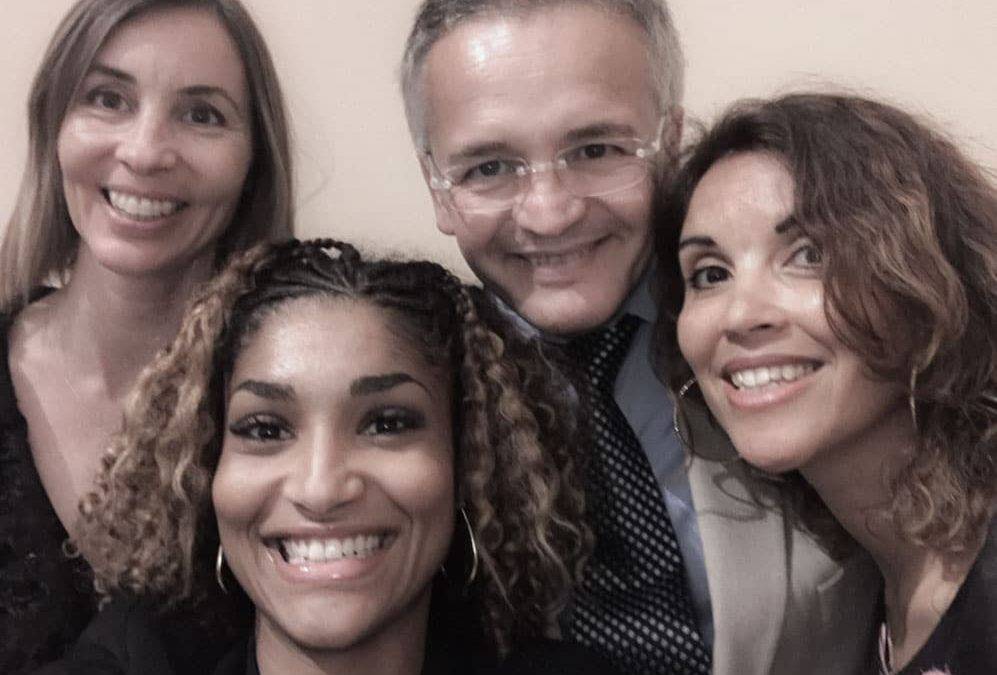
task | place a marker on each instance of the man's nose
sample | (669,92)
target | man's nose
(546,207)
(148,144)
(325,477)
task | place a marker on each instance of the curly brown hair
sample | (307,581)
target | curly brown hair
(149,529)
(908,229)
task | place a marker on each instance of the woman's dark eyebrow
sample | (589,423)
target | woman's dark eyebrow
(706,242)
(269,390)
(373,384)
(788,223)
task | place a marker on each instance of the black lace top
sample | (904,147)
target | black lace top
(46,598)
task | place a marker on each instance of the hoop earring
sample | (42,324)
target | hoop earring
(219,562)
(683,390)
(911,400)
(474,549)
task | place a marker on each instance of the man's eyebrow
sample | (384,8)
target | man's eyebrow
(268,390)
(479,150)
(374,384)
(599,129)
(705,242)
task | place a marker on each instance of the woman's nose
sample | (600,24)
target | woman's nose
(754,306)
(324,478)
(148,144)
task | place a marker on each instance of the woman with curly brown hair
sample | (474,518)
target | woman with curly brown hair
(371,453)
(158,145)
(837,306)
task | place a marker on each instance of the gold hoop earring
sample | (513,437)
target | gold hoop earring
(683,390)
(474,549)
(219,562)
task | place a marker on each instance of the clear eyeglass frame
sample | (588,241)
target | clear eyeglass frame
(632,168)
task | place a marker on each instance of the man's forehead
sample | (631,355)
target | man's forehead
(557,73)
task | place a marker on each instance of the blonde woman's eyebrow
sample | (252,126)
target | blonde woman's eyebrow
(101,69)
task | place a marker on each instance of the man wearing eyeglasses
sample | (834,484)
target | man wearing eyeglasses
(545,131)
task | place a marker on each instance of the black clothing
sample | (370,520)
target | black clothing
(127,639)
(46,597)
(965,640)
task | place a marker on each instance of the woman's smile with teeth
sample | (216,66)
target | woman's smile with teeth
(751,378)
(299,551)
(142,208)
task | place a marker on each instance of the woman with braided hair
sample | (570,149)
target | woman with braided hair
(365,448)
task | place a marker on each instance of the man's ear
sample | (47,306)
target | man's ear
(446,218)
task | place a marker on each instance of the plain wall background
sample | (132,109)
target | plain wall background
(357,175)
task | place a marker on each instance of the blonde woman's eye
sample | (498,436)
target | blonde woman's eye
(204,115)
(261,428)
(392,421)
(107,99)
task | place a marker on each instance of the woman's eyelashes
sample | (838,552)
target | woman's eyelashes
(387,422)
(261,428)
(807,254)
(706,276)
(197,113)
(391,421)
(804,255)
(106,99)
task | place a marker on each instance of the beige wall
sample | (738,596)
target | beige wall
(357,175)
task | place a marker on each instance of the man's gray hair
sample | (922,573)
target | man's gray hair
(436,18)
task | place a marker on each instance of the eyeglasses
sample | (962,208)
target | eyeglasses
(594,168)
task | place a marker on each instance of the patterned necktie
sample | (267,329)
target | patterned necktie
(633,604)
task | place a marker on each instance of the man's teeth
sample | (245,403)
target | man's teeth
(142,207)
(760,377)
(557,259)
(300,551)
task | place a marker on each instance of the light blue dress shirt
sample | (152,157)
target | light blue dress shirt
(646,404)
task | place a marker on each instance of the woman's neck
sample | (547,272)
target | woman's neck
(398,648)
(110,325)
(919,582)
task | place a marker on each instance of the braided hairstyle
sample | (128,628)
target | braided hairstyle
(148,527)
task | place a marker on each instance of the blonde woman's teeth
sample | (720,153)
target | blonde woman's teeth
(301,551)
(142,208)
(760,377)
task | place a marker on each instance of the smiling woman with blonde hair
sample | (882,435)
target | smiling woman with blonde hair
(158,145)
(836,301)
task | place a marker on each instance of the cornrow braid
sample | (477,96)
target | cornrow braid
(149,528)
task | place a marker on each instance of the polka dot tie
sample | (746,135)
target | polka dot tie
(633,605)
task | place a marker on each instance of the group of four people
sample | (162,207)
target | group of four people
(729,410)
